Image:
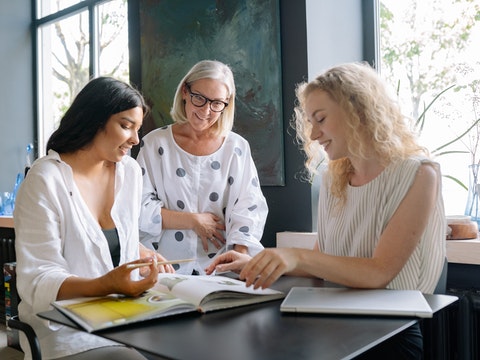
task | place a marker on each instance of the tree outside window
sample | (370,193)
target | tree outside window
(429,46)
(89,42)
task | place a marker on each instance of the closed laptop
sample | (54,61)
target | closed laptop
(332,300)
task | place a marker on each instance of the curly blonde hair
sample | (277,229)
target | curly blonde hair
(374,122)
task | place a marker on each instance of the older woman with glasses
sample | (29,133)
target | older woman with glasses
(201,193)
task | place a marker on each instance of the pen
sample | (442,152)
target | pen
(134,266)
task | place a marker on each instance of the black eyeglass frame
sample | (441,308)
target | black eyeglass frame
(210,101)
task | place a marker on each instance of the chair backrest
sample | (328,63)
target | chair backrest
(33,342)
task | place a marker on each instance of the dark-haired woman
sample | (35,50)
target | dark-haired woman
(76,218)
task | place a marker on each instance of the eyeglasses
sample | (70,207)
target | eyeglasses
(200,100)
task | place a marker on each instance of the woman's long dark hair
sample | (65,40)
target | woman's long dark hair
(101,98)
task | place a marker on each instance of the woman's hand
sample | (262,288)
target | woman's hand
(145,252)
(209,227)
(116,281)
(230,261)
(267,266)
(119,278)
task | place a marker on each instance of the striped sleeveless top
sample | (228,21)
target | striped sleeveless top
(356,228)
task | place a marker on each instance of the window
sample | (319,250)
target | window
(426,47)
(76,40)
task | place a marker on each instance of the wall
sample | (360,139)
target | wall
(290,205)
(334,36)
(334,33)
(16,93)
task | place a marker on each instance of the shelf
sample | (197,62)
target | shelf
(464,251)
(6,221)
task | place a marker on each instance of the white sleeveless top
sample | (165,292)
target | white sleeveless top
(356,228)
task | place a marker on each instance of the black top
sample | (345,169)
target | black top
(113,244)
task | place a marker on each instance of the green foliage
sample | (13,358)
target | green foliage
(421,119)
(420,53)
(425,59)
(441,150)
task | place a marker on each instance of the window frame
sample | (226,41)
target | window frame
(37,23)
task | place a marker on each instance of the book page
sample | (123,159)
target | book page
(202,289)
(105,312)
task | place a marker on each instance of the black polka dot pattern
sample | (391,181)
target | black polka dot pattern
(179,236)
(213,183)
(181,172)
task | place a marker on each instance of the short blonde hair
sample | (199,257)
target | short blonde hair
(207,69)
(374,121)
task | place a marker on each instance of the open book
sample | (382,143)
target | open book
(173,294)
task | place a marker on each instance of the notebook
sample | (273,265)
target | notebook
(329,300)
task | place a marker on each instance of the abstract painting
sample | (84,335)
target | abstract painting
(245,34)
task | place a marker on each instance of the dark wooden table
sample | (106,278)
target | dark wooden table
(261,332)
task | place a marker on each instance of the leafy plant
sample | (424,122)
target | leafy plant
(442,150)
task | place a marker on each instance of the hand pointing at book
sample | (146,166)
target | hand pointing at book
(230,261)
(261,271)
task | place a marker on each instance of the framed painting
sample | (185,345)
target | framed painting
(245,34)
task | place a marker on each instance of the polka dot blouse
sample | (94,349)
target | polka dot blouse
(224,183)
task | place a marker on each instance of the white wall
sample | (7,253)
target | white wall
(334,33)
(334,36)
(16,96)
